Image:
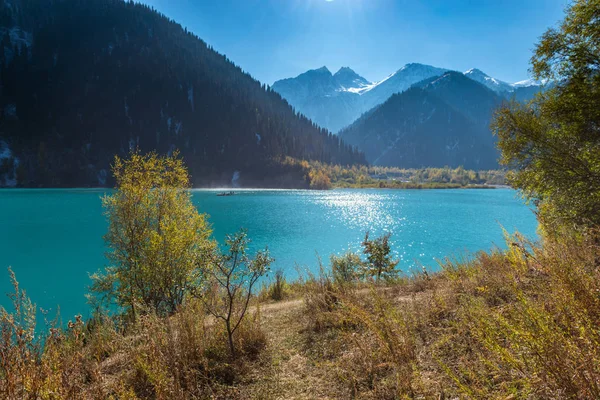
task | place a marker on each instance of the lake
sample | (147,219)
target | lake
(53,238)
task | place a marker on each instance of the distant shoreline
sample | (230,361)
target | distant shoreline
(421,186)
(417,186)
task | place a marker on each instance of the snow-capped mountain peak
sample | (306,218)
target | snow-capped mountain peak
(348,79)
(498,85)
(336,100)
(476,72)
(529,82)
(399,81)
(492,83)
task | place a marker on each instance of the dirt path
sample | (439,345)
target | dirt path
(282,305)
(293,374)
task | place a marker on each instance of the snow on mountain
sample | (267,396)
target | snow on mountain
(329,100)
(398,82)
(492,83)
(311,92)
(334,101)
(350,80)
(528,83)
(497,85)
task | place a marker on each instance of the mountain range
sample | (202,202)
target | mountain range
(419,116)
(334,101)
(81,81)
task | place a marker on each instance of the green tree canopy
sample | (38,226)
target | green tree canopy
(379,259)
(553,143)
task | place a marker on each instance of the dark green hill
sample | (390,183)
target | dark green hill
(441,121)
(417,129)
(467,96)
(83,80)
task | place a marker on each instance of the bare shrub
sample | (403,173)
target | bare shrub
(232,279)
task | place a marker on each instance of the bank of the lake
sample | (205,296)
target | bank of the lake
(53,238)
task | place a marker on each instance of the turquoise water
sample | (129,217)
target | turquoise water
(53,238)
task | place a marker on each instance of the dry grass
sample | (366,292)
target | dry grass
(178,357)
(516,324)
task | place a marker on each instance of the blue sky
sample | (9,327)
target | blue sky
(274,39)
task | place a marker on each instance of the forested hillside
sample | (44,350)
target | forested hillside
(441,121)
(81,81)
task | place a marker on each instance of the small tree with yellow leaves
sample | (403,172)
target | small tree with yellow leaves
(158,242)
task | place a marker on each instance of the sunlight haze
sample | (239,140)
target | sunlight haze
(273,39)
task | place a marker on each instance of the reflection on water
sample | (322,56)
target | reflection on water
(362,210)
